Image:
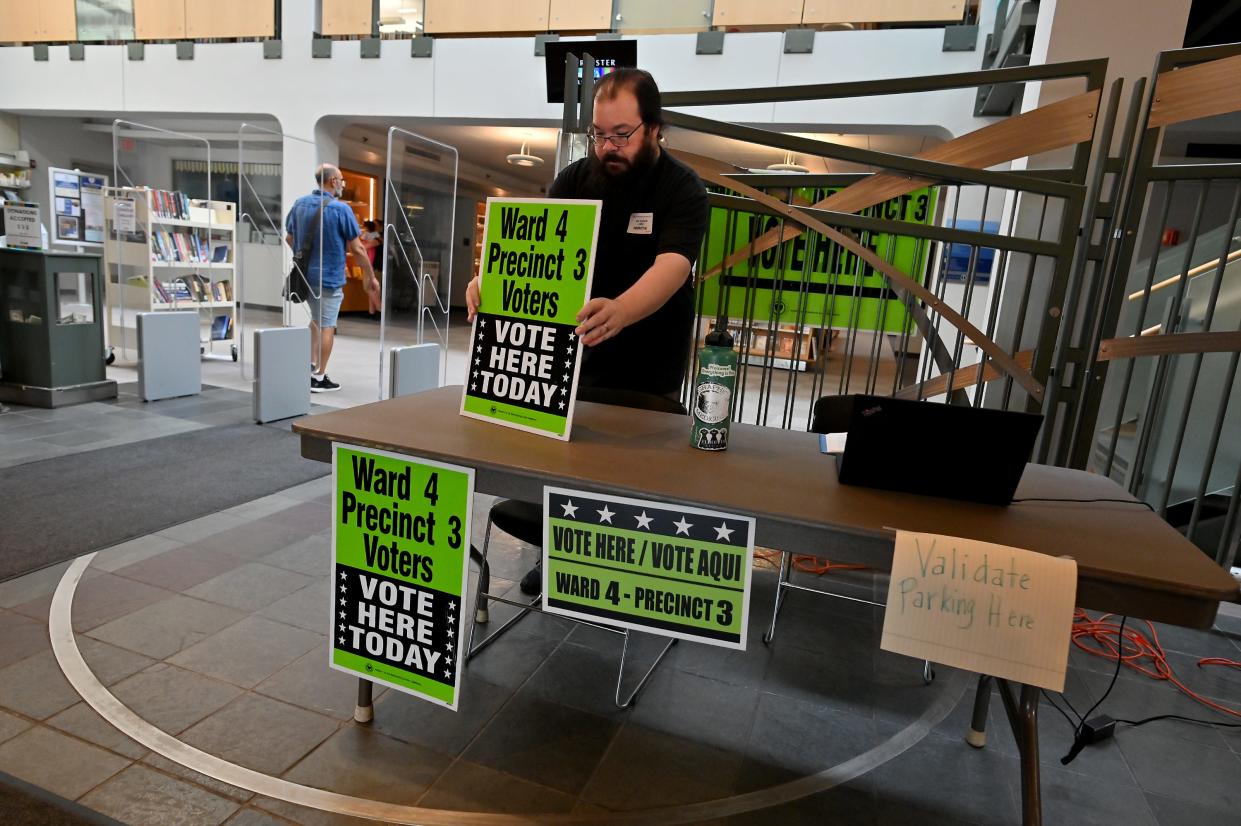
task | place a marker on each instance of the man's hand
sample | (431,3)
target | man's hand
(473,297)
(374,301)
(601,319)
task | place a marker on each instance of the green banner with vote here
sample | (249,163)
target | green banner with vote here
(665,569)
(537,264)
(400,545)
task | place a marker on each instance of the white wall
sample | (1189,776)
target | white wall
(496,79)
(61,143)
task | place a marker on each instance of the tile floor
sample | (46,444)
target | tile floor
(211,631)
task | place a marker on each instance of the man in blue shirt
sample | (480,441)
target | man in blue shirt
(329,241)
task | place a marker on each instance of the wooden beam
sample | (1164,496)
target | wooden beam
(1162,345)
(1199,91)
(962,378)
(1056,125)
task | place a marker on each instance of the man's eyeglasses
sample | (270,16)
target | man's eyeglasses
(619,140)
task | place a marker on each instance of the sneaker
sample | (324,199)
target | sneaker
(323,385)
(532,582)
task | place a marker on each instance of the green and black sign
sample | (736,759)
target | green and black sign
(676,571)
(538,259)
(401,543)
(811,280)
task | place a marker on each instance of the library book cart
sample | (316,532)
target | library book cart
(166,251)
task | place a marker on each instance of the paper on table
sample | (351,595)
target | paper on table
(983,607)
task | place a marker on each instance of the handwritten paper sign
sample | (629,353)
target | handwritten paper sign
(538,262)
(987,608)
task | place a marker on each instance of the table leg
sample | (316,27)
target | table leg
(365,710)
(1023,717)
(977,735)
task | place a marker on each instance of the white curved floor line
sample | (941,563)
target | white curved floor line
(84,681)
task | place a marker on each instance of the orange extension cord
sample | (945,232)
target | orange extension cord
(1099,637)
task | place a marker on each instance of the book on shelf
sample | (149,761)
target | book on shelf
(170,205)
(222,328)
(220,254)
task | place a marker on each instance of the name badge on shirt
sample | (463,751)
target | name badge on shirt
(641,223)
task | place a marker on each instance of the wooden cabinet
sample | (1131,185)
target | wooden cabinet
(230,18)
(883,11)
(159,20)
(484,16)
(756,13)
(345,17)
(580,15)
(24,21)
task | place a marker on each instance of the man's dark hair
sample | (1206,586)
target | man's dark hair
(641,85)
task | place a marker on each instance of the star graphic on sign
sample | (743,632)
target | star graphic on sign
(447,660)
(340,640)
(569,349)
(606,515)
(570,509)
(342,589)
(644,521)
(482,322)
(724,532)
(566,376)
(561,405)
(478,349)
(683,526)
(568,363)
(562,390)
(342,602)
(572,336)
(447,673)
(450,633)
(342,615)
(343,575)
(473,386)
(448,647)
(477,362)
(342,626)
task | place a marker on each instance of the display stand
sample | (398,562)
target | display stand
(51,331)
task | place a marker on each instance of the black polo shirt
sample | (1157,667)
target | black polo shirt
(650,355)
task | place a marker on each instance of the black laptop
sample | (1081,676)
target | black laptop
(953,451)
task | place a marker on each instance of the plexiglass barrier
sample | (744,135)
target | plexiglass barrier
(419,224)
(265,258)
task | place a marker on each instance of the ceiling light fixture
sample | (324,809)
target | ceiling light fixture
(789,165)
(524,158)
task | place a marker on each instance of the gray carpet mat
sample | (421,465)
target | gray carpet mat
(60,508)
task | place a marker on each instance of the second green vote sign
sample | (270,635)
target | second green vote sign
(666,569)
(537,260)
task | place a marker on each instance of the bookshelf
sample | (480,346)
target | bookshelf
(176,253)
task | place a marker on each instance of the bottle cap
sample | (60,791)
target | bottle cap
(719,338)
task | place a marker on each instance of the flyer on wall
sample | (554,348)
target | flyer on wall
(536,273)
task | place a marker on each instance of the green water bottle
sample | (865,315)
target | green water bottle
(713,392)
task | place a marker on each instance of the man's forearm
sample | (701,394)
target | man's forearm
(655,287)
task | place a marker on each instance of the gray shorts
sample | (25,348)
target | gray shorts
(325,309)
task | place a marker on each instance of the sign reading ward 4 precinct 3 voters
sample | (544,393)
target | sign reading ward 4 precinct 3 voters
(401,540)
(649,566)
(538,259)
